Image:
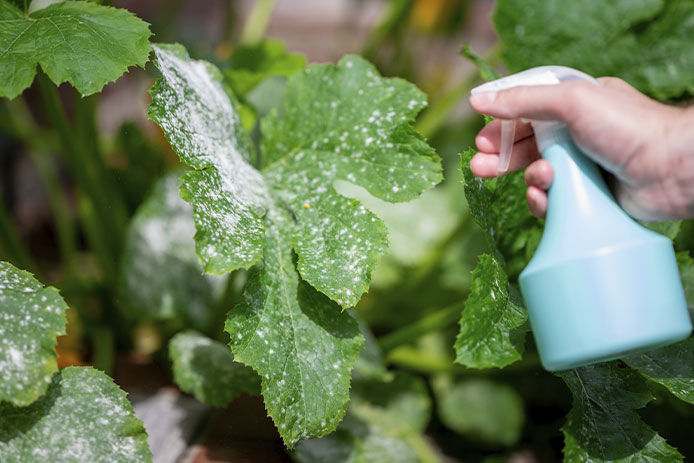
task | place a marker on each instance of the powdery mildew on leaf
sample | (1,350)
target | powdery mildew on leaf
(206,369)
(83,417)
(603,426)
(79,42)
(31,317)
(341,122)
(228,195)
(344,122)
(493,324)
(161,276)
(299,342)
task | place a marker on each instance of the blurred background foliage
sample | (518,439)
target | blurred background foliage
(132,280)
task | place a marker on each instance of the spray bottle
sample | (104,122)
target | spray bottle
(600,286)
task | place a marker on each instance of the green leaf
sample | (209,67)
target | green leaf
(384,424)
(493,325)
(79,42)
(669,229)
(341,122)
(486,71)
(499,208)
(685,264)
(299,342)
(31,317)
(228,195)
(672,366)
(82,417)
(482,410)
(602,425)
(645,42)
(161,276)
(346,123)
(251,64)
(206,369)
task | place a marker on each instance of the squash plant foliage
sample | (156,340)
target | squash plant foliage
(86,45)
(258,200)
(310,250)
(633,37)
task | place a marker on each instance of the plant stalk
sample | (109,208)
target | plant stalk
(257,22)
(438,320)
(12,246)
(433,118)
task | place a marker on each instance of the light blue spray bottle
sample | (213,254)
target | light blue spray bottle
(600,286)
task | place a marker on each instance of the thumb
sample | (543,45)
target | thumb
(561,102)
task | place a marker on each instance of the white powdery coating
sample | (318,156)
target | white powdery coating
(345,123)
(162,275)
(227,194)
(84,417)
(31,317)
(298,341)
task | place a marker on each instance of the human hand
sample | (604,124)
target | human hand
(647,146)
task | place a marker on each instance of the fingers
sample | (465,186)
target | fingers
(485,165)
(537,201)
(617,84)
(488,140)
(543,102)
(539,174)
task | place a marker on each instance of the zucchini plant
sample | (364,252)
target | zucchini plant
(253,256)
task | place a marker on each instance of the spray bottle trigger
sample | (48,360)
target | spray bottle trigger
(508,133)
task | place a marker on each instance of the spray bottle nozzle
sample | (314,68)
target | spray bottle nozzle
(543,75)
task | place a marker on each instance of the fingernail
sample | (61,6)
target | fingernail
(483,99)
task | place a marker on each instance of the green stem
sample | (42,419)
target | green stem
(256,24)
(60,207)
(432,119)
(100,210)
(394,18)
(438,320)
(14,249)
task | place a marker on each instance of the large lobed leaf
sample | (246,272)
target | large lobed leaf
(299,341)
(645,42)
(228,196)
(493,325)
(79,42)
(343,122)
(603,425)
(31,317)
(206,369)
(83,417)
(161,277)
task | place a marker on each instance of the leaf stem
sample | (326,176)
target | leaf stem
(60,207)
(14,249)
(101,211)
(438,320)
(257,21)
(433,118)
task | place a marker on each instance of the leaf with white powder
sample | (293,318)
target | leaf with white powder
(31,317)
(341,122)
(83,417)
